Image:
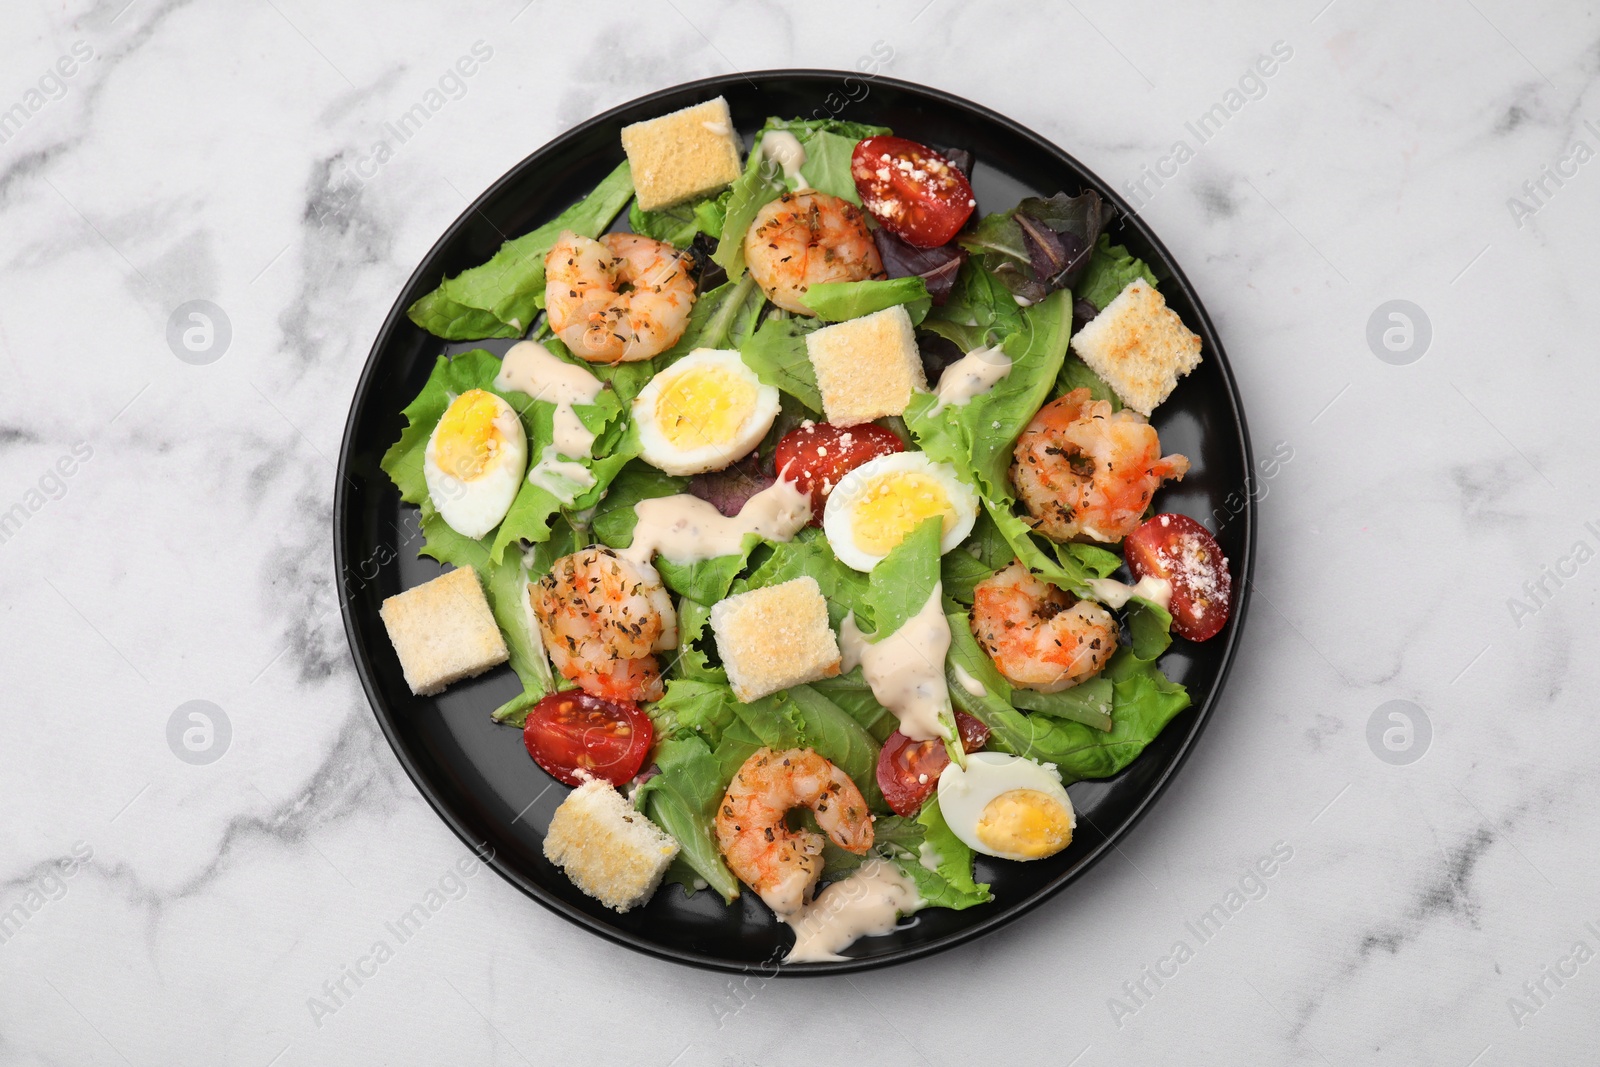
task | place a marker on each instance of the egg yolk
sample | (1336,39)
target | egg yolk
(704,406)
(893,506)
(467,438)
(1025,823)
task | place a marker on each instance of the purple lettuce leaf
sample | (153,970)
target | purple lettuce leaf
(937,267)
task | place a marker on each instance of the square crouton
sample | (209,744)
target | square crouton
(443,631)
(772,638)
(607,847)
(682,155)
(1139,346)
(868,367)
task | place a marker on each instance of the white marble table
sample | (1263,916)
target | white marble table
(171,540)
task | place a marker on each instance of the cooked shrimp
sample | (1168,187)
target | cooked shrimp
(619,299)
(1083,470)
(801,239)
(780,864)
(1040,637)
(601,618)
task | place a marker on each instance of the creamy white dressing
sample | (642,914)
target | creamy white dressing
(968,682)
(563,479)
(529,367)
(1115,594)
(972,375)
(869,902)
(928,855)
(784,149)
(686,529)
(906,668)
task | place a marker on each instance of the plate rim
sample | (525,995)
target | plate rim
(1012,910)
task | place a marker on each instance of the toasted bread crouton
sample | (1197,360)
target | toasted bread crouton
(607,847)
(443,631)
(683,155)
(868,367)
(772,638)
(1139,346)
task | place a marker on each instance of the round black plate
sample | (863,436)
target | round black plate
(477,775)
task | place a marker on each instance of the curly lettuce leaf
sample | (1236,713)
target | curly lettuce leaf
(838,301)
(501,297)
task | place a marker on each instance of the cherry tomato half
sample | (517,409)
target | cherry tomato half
(816,456)
(913,191)
(573,731)
(1177,548)
(909,770)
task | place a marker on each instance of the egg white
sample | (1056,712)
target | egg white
(473,507)
(963,794)
(839,514)
(658,450)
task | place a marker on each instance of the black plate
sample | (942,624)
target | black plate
(477,775)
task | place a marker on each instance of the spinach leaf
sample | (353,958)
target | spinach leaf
(501,297)
(979,312)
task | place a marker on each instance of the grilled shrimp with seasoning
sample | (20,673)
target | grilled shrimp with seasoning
(780,864)
(1083,470)
(602,619)
(802,239)
(619,299)
(1040,637)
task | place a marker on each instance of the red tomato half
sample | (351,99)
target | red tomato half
(909,770)
(817,456)
(913,191)
(1177,548)
(573,731)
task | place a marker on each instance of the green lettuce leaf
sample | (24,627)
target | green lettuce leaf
(1111,268)
(1143,702)
(900,585)
(980,311)
(501,297)
(983,552)
(679,225)
(952,884)
(1075,374)
(980,434)
(777,353)
(682,800)
(505,585)
(827,168)
(838,301)
(844,588)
